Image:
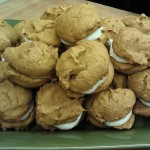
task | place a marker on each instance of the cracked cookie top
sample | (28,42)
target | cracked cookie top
(38,30)
(54,12)
(141,22)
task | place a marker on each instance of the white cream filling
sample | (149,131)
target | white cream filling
(25,38)
(66,43)
(144,102)
(25,116)
(113,55)
(2,58)
(90,91)
(101,81)
(70,125)
(93,36)
(120,121)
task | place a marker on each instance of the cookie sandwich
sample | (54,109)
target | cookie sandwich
(16,106)
(56,110)
(140,84)
(31,64)
(77,23)
(111,108)
(110,27)
(141,22)
(88,68)
(129,51)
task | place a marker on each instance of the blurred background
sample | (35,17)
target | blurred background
(137,6)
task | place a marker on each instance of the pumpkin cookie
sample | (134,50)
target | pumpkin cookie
(87,67)
(129,51)
(140,84)
(110,28)
(38,30)
(55,109)
(54,12)
(141,22)
(77,23)
(16,107)
(33,59)
(112,108)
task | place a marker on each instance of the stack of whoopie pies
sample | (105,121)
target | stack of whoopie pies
(71,65)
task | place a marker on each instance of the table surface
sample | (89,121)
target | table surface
(33,9)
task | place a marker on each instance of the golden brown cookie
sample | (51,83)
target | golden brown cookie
(127,125)
(54,12)
(8,36)
(141,22)
(111,107)
(140,84)
(38,30)
(15,104)
(130,47)
(34,59)
(133,46)
(55,108)
(86,68)
(99,88)
(111,27)
(77,23)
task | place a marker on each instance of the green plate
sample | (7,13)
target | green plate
(83,137)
